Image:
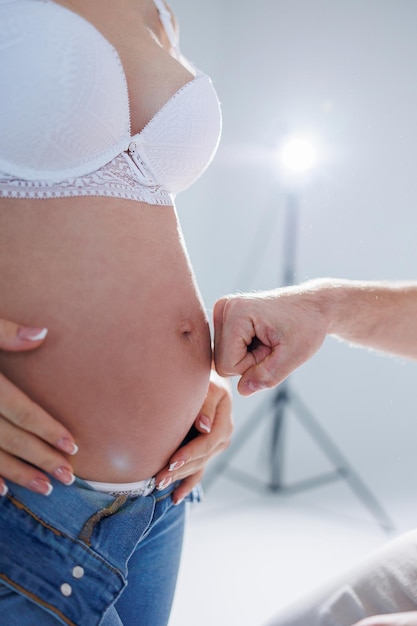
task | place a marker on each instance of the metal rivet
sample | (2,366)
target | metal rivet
(66,589)
(78,571)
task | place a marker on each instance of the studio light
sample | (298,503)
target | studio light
(297,154)
(297,158)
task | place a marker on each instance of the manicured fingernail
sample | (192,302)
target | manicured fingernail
(164,483)
(177,502)
(254,387)
(4,489)
(251,387)
(67,446)
(176,465)
(31,334)
(204,423)
(41,486)
(64,475)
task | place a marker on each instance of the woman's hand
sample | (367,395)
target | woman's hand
(215,423)
(28,435)
(394,619)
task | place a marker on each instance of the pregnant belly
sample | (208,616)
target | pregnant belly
(126,362)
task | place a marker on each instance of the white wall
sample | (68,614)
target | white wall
(346,70)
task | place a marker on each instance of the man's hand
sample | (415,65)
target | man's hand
(263,337)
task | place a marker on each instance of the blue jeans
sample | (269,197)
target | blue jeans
(82,558)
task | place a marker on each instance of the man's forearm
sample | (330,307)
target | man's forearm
(380,315)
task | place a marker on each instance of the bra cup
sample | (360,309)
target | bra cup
(179,143)
(65,118)
(83,119)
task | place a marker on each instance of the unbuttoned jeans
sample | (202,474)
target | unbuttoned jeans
(83,558)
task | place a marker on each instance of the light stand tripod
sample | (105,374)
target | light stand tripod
(285,398)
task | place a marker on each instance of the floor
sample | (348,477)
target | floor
(249,552)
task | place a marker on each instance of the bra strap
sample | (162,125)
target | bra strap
(166,20)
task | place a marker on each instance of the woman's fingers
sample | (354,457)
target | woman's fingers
(26,415)
(15,337)
(15,406)
(22,474)
(31,441)
(187,465)
(215,423)
(18,449)
(186,486)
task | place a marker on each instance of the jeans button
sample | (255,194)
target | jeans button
(78,571)
(66,589)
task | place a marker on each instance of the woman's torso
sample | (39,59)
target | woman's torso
(127,359)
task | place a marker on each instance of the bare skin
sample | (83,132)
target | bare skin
(125,367)
(264,336)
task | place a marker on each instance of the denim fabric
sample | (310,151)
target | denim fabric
(67,558)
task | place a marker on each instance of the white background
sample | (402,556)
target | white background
(344,71)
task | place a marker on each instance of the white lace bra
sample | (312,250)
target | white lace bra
(65,118)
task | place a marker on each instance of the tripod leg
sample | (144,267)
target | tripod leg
(277,439)
(345,469)
(251,424)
